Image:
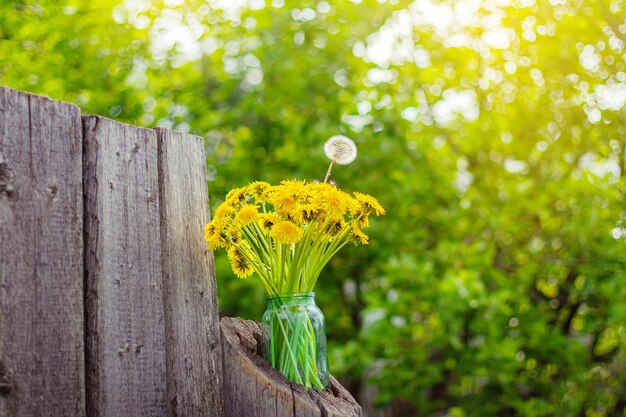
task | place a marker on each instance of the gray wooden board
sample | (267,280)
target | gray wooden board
(124,299)
(193,347)
(253,388)
(41,257)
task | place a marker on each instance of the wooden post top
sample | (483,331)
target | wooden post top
(254,388)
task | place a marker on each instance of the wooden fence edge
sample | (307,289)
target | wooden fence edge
(193,345)
(41,257)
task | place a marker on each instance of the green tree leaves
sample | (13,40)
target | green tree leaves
(492,131)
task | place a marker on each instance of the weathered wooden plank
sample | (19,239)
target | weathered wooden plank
(124,299)
(336,401)
(193,347)
(253,388)
(41,257)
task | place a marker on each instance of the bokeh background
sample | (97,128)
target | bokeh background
(493,131)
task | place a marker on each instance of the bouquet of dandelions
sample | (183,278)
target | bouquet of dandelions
(286,234)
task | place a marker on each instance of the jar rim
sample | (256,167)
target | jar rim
(290,296)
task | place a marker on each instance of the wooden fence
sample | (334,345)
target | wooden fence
(108,304)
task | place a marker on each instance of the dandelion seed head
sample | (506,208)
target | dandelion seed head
(340,149)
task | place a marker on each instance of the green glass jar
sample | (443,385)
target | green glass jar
(294,339)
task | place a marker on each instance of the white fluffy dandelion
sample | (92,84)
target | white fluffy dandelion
(340,150)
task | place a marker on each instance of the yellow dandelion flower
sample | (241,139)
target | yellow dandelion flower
(268,220)
(364,220)
(336,227)
(214,236)
(358,234)
(355,208)
(335,203)
(236,195)
(285,204)
(240,265)
(321,187)
(247,213)
(369,203)
(223,217)
(233,253)
(308,211)
(217,242)
(257,190)
(209,229)
(294,187)
(232,234)
(223,213)
(286,232)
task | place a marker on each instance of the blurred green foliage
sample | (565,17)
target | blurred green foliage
(493,132)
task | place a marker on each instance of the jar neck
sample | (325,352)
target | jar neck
(291,299)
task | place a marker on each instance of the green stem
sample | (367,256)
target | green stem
(291,355)
(294,338)
(330,167)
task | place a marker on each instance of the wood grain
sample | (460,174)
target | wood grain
(253,388)
(41,257)
(124,300)
(193,348)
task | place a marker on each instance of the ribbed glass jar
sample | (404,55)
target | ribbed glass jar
(294,339)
